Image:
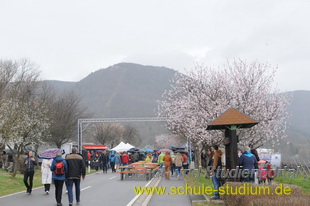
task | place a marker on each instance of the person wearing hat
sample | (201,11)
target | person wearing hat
(59,168)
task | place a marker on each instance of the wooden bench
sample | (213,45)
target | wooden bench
(135,169)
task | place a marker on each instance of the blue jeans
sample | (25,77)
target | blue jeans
(161,166)
(77,183)
(216,182)
(178,169)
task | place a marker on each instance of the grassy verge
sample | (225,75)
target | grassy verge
(205,204)
(298,181)
(9,185)
(197,181)
(193,181)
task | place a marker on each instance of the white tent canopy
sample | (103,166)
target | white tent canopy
(122,147)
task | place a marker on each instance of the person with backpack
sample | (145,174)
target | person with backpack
(59,168)
(29,164)
(76,170)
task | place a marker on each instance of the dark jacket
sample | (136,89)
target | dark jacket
(29,164)
(76,166)
(104,158)
(53,167)
(10,157)
(248,161)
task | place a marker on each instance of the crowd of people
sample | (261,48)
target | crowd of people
(170,163)
(250,168)
(71,170)
(68,171)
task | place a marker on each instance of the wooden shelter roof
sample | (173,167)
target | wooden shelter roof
(232,117)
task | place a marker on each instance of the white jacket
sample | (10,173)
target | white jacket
(46,172)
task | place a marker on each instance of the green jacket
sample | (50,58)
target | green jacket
(160,158)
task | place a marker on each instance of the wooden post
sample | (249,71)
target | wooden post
(227,150)
(231,148)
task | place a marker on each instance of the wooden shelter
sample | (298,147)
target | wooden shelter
(230,121)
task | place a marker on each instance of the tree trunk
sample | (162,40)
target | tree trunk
(16,164)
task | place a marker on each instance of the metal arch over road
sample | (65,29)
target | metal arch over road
(112,120)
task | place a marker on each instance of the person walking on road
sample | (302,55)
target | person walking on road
(161,163)
(173,164)
(46,174)
(168,163)
(104,160)
(178,161)
(112,161)
(117,161)
(76,170)
(59,168)
(125,159)
(29,164)
(185,163)
(96,162)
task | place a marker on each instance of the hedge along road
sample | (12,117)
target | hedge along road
(97,189)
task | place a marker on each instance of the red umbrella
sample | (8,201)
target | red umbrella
(261,162)
(50,153)
(165,150)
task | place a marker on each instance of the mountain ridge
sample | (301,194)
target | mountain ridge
(132,90)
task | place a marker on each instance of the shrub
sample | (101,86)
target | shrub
(297,197)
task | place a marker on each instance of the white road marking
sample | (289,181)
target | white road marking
(137,196)
(86,188)
(112,177)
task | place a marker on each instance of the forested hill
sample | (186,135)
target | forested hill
(125,90)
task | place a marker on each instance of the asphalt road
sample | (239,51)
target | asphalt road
(97,189)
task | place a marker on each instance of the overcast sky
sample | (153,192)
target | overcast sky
(69,39)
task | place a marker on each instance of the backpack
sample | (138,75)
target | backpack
(59,168)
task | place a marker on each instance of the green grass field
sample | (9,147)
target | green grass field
(9,185)
(298,181)
(197,181)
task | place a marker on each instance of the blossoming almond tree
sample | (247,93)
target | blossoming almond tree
(198,98)
(23,113)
